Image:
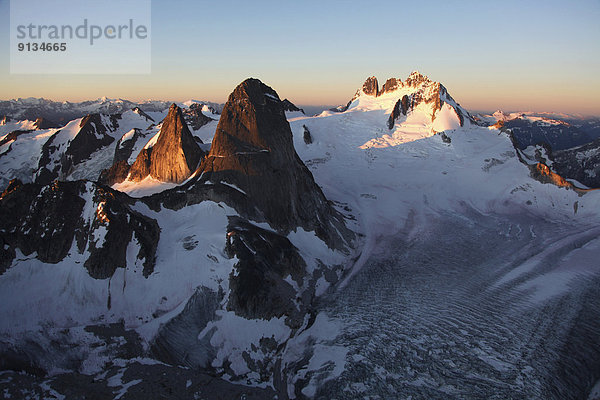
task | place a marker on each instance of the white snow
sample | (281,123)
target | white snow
(230,344)
(70,297)
(146,187)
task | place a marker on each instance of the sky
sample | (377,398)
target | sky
(509,55)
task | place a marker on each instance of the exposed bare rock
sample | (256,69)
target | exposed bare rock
(307,136)
(401,107)
(117,173)
(174,156)
(544,174)
(94,134)
(290,107)
(258,286)
(371,87)
(47,220)
(124,148)
(140,112)
(141,166)
(253,150)
(341,108)
(581,163)
(195,117)
(43,123)
(12,136)
(415,79)
(390,85)
(460,115)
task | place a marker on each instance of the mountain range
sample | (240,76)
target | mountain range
(397,246)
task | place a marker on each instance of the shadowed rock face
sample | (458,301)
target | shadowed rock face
(195,117)
(253,150)
(94,134)
(43,123)
(124,149)
(48,220)
(174,156)
(289,106)
(307,136)
(258,286)
(580,163)
(117,173)
(402,106)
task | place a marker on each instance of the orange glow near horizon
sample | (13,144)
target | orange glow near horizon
(478,95)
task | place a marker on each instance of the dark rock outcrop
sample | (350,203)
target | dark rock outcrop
(290,107)
(60,156)
(341,108)
(12,136)
(124,148)
(174,156)
(195,117)
(258,286)
(460,115)
(253,150)
(306,135)
(115,174)
(141,113)
(559,135)
(43,123)
(92,136)
(49,220)
(371,87)
(390,85)
(580,163)
(401,107)
(177,340)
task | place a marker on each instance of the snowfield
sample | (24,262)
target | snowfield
(475,281)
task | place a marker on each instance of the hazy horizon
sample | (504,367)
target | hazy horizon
(540,56)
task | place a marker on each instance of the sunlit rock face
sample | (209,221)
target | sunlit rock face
(253,150)
(174,156)
(371,87)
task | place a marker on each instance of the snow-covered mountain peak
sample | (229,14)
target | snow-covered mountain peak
(416,78)
(409,110)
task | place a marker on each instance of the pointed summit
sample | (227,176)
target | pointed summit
(253,151)
(174,156)
(371,87)
(416,78)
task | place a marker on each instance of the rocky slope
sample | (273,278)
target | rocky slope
(52,221)
(530,129)
(581,163)
(253,151)
(173,157)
